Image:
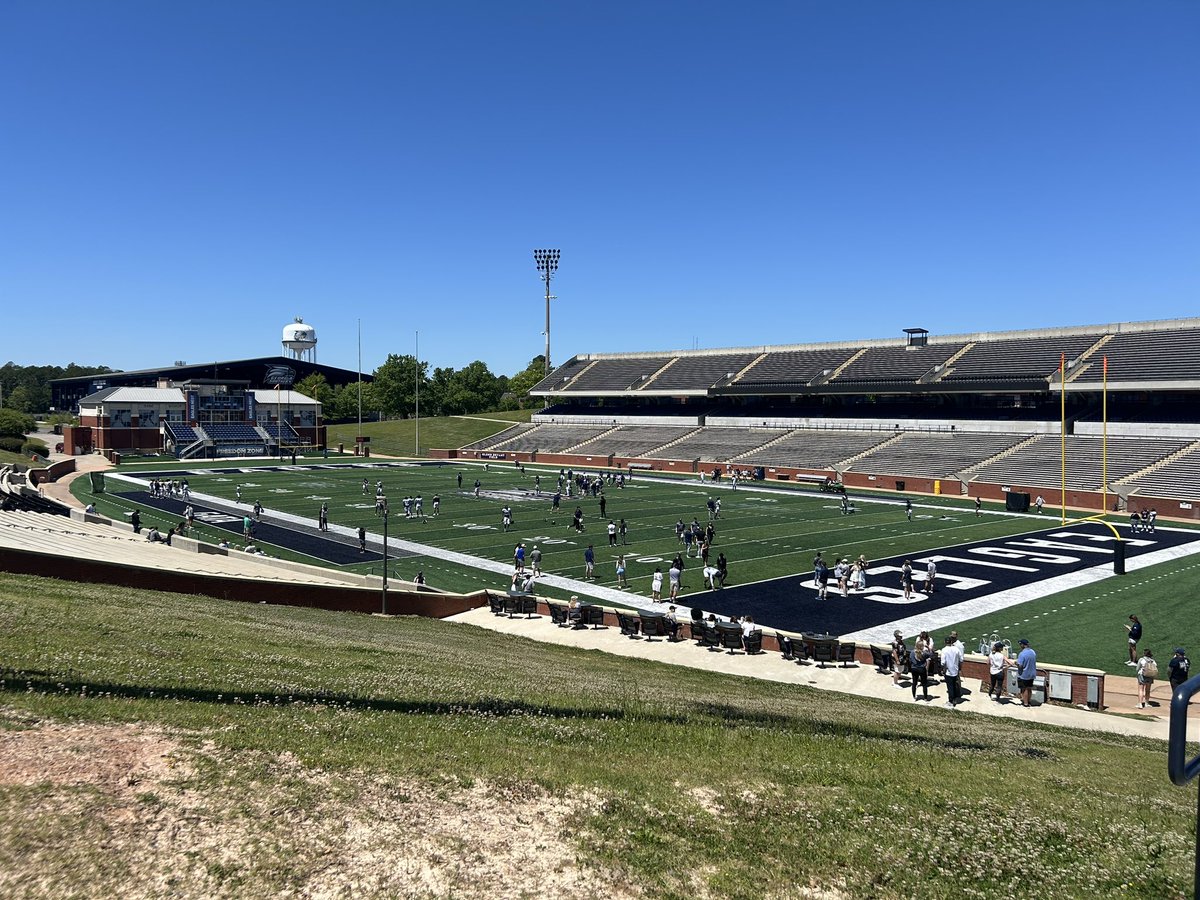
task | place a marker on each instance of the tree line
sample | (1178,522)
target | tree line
(392,393)
(26,389)
(401,381)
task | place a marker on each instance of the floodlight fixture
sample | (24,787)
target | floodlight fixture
(547,265)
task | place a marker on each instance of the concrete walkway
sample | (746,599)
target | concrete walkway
(1120,717)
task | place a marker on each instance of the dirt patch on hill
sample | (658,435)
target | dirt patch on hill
(92,810)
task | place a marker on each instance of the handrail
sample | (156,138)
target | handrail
(1179,767)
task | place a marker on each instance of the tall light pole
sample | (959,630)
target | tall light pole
(383,599)
(547,264)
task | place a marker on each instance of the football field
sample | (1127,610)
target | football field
(768,532)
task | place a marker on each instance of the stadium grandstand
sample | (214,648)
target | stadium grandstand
(984,415)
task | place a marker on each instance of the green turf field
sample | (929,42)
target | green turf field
(764,534)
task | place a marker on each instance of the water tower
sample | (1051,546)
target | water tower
(300,340)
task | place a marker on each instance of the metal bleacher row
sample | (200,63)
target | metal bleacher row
(77,539)
(1136,352)
(1000,457)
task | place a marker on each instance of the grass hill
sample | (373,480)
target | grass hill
(154,743)
(398,437)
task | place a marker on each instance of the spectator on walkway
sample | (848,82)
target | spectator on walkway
(900,659)
(1026,672)
(952,658)
(1179,665)
(1147,671)
(918,669)
(997,663)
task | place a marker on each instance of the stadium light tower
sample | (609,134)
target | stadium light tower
(547,264)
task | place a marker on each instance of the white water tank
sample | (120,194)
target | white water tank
(300,340)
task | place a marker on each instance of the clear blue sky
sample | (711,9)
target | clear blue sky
(179,179)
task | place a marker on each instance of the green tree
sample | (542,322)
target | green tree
(472,388)
(344,405)
(395,387)
(14,423)
(317,387)
(517,396)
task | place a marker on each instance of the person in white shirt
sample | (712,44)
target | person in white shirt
(930,576)
(952,657)
(997,663)
(656,584)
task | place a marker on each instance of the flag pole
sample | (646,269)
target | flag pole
(1104,446)
(1062,390)
(417,392)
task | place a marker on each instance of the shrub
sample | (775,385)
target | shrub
(15,424)
(11,444)
(30,447)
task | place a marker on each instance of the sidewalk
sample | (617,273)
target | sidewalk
(1121,716)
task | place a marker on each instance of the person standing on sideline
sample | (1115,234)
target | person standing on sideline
(612,533)
(673,576)
(623,530)
(930,577)
(821,577)
(952,658)
(535,559)
(656,584)
(1026,672)
(1179,667)
(1039,503)
(135,520)
(1147,671)
(362,539)
(1135,635)
(978,507)
(908,509)
(519,557)
(906,581)
(621,582)
(589,562)
(460,481)
(323,517)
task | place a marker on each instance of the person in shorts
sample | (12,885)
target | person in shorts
(1026,672)
(1135,635)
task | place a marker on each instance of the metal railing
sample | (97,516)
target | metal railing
(1179,767)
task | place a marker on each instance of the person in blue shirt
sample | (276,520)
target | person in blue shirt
(1178,668)
(1026,671)
(589,562)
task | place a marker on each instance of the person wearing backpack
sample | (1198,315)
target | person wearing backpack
(1147,671)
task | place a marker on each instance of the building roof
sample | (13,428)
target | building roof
(134,395)
(268,396)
